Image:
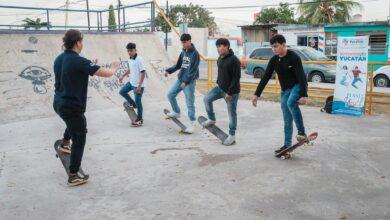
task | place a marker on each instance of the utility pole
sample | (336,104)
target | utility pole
(166,33)
(388,17)
(66,13)
(89,25)
(119,15)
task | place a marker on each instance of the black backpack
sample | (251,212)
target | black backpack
(328,105)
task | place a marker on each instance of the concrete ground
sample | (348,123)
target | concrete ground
(154,172)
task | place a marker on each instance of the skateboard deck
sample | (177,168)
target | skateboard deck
(65,158)
(130,112)
(215,130)
(285,154)
(177,122)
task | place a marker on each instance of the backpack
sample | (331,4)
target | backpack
(328,105)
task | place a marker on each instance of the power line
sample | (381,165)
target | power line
(273,5)
(39,15)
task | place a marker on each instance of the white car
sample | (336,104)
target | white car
(382,76)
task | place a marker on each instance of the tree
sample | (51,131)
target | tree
(111,19)
(193,15)
(37,24)
(283,14)
(322,11)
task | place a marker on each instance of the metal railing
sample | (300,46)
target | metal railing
(121,26)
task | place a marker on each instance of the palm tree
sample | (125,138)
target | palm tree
(37,24)
(327,11)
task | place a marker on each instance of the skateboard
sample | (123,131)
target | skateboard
(177,121)
(130,112)
(285,154)
(65,158)
(215,130)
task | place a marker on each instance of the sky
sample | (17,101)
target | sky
(227,19)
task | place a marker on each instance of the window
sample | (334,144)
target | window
(262,54)
(314,54)
(308,41)
(331,44)
(377,41)
(299,53)
(302,41)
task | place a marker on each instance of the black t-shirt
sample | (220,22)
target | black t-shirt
(290,72)
(71,79)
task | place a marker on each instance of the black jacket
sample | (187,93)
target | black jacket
(290,73)
(229,73)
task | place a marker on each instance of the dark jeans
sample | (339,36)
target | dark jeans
(138,98)
(76,128)
(291,112)
(215,94)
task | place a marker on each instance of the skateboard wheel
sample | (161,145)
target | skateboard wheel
(57,155)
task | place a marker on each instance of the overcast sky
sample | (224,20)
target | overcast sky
(372,10)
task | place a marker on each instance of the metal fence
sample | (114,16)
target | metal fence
(123,23)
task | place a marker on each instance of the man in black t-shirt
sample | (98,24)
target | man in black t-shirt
(70,98)
(288,66)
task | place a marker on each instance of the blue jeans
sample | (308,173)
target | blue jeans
(138,96)
(189,92)
(290,108)
(355,80)
(215,94)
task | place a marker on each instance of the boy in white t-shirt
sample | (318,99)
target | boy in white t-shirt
(136,82)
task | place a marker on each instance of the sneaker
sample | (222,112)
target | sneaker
(281,149)
(173,115)
(301,136)
(77,179)
(231,139)
(208,123)
(137,123)
(190,128)
(65,146)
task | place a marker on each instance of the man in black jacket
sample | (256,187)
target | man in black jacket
(228,87)
(288,66)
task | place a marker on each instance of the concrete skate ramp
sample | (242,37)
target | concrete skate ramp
(27,77)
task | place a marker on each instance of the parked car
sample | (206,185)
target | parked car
(382,76)
(314,72)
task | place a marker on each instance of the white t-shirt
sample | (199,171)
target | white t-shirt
(136,66)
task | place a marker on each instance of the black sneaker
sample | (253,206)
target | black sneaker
(281,149)
(77,179)
(301,136)
(65,146)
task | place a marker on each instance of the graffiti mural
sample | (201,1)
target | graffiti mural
(38,75)
(110,85)
(159,69)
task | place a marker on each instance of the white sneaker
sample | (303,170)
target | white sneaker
(208,123)
(231,139)
(173,115)
(190,128)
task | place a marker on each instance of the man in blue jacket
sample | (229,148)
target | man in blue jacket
(188,64)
